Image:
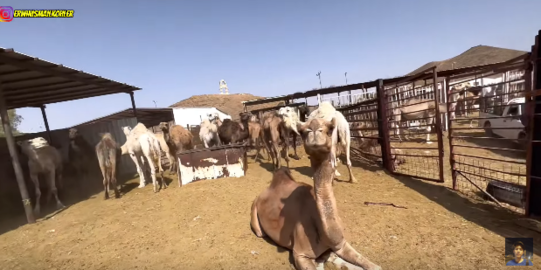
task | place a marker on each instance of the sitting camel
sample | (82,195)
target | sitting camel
(304,219)
(141,143)
(45,160)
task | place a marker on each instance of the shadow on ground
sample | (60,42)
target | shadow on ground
(496,219)
(473,138)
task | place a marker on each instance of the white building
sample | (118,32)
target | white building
(193,116)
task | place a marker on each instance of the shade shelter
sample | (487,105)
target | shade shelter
(27,81)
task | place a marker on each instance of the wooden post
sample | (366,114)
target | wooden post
(15,159)
(49,138)
(450,133)
(133,105)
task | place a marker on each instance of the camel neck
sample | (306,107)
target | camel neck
(326,202)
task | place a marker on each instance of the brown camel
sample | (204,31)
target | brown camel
(178,139)
(275,132)
(304,219)
(256,135)
(108,153)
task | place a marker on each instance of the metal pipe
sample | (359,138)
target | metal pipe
(133,105)
(49,137)
(15,159)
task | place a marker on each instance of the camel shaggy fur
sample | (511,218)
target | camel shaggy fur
(45,160)
(209,133)
(302,218)
(140,144)
(178,139)
(108,154)
(341,134)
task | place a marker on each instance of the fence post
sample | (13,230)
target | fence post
(383,127)
(438,123)
(450,131)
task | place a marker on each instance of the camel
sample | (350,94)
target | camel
(209,133)
(108,154)
(256,135)
(340,134)
(165,148)
(178,139)
(81,153)
(140,144)
(291,118)
(416,109)
(232,132)
(45,160)
(274,131)
(303,219)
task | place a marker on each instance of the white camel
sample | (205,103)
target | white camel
(209,132)
(140,144)
(328,112)
(291,119)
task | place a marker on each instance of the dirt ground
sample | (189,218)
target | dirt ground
(205,225)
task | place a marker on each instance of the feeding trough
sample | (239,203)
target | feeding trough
(510,193)
(212,163)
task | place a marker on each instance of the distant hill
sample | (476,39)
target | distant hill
(230,104)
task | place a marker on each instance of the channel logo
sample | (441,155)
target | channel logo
(6,14)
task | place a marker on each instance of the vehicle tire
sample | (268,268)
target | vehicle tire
(488,130)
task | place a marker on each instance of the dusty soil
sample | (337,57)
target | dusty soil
(205,225)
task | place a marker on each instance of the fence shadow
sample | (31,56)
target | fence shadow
(490,217)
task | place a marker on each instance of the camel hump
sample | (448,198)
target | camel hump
(283,174)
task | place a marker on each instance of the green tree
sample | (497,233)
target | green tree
(14,120)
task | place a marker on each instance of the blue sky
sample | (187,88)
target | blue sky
(267,48)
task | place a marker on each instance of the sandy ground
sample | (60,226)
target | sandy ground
(205,225)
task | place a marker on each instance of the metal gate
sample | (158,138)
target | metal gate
(486,134)
(414,115)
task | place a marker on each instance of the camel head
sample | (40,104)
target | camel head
(245,116)
(253,118)
(73,133)
(290,117)
(105,135)
(164,127)
(316,135)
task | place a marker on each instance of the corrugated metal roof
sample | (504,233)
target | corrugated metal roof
(28,81)
(147,116)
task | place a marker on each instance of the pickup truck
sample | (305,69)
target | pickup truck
(510,117)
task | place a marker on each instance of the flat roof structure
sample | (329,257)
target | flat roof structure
(28,81)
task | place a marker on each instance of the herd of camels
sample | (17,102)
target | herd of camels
(296,216)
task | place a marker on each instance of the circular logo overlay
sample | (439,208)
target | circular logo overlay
(6,14)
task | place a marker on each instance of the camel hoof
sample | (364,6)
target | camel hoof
(429,142)
(141,186)
(336,173)
(60,206)
(353,180)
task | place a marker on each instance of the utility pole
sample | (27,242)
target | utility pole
(349,92)
(319,75)
(346,75)
(155,106)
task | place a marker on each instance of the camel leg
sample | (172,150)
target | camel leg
(139,166)
(348,161)
(105,182)
(35,180)
(53,190)
(113,180)
(349,254)
(171,160)
(258,148)
(277,154)
(295,156)
(152,168)
(304,263)
(254,221)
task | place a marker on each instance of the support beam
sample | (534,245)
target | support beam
(133,105)
(15,159)
(49,138)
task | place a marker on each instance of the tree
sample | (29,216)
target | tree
(14,120)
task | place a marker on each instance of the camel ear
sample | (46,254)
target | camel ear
(332,124)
